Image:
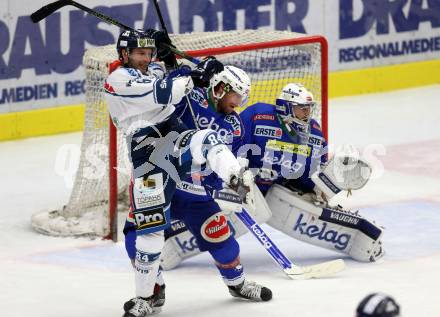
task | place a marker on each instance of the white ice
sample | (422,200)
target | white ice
(43,276)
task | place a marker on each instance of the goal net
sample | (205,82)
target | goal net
(272,59)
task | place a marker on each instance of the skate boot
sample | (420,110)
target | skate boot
(251,291)
(142,307)
(158,299)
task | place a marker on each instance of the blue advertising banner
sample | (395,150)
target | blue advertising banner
(40,64)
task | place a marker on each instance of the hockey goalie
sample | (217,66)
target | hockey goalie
(287,152)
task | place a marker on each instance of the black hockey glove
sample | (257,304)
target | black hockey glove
(164,54)
(202,74)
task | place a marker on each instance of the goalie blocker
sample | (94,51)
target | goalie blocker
(331,228)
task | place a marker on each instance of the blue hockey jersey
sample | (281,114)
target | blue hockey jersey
(280,151)
(228,126)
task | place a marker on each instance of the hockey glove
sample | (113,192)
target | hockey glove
(164,54)
(243,185)
(204,71)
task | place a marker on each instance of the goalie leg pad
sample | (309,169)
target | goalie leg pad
(329,228)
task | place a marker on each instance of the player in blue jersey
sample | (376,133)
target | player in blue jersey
(196,213)
(292,170)
(289,159)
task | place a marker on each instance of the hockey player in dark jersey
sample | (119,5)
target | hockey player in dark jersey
(293,172)
(291,142)
(198,217)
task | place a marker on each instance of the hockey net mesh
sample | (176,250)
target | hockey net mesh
(86,212)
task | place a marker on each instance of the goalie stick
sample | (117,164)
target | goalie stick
(293,271)
(47,10)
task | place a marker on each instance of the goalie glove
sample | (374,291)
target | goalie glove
(343,172)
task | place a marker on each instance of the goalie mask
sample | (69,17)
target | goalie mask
(235,79)
(295,103)
(129,40)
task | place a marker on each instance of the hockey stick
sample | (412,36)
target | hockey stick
(47,10)
(164,28)
(293,271)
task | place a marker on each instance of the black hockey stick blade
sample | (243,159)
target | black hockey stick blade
(47,10)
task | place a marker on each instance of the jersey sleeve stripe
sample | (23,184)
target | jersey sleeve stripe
(163,91)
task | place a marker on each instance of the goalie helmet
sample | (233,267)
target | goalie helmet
(378,305)
(294,95)
(234,79)
(135,39)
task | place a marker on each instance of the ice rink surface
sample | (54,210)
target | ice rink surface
(44,276)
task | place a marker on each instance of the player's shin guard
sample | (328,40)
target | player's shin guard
(228,263)
(148,249)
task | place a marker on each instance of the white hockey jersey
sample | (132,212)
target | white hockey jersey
(137,101)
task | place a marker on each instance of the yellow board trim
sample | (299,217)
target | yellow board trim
(18,125)
(70,118)
(383,78)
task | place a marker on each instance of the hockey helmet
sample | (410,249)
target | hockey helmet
(378,305)
(294,95)
(135,39)
(235,79)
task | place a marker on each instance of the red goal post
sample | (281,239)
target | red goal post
(271,58)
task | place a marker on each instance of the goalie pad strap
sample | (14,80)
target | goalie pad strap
(351,221)
(335,189)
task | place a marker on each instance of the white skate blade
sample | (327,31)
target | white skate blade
(315,271)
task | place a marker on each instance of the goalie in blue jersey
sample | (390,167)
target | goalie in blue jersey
(292,170)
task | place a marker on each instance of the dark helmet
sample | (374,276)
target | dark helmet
(378,305)
(134,39)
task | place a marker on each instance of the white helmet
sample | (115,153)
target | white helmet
(292,95)
(234,79)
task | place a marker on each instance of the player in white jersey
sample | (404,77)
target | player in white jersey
(161,148)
